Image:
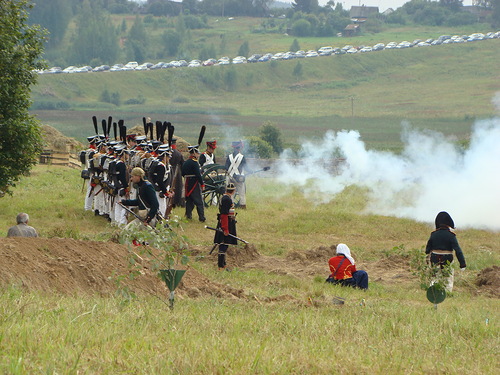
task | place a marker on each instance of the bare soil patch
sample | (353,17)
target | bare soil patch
(69,266)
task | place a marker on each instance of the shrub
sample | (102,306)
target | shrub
(259,148)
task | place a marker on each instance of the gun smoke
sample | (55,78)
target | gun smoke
(431,174)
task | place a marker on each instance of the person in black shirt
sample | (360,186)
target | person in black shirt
(146,197)
(226,225)
(193,184)
(442,243)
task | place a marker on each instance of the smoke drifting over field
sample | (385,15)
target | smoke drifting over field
(432,174)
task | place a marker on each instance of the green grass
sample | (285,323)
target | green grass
(396,330)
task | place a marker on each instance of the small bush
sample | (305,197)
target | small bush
(50,105)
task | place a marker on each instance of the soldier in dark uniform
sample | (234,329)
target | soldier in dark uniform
(193,184)
(226,225)
(120,180)
(441,245)
(176,161)
(161,178)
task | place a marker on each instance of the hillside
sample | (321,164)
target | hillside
(442,88)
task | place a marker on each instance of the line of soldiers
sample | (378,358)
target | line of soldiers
(109,161)
(108,164)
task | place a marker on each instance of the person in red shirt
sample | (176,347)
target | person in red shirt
(343,269)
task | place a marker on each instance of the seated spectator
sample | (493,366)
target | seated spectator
(22,229)
(343,270)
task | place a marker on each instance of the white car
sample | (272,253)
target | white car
(324,51)
(240,60)
(132,64)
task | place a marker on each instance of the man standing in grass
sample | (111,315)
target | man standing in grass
(22,229)
(440,246)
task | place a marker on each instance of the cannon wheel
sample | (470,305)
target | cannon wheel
(214,177)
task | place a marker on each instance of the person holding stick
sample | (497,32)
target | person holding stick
(225,234)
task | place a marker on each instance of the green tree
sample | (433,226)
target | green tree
(21,46)
(171,40)
(137,41)
(306,6)
(272,135)
(244,49)
(301,27)
(53,15)
(295,45)
(95,36)
(258,148)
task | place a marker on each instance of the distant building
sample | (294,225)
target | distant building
(388,11)
(351,30)
(362,13)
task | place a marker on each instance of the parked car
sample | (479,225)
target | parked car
(254,58)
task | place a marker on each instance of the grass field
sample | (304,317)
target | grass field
(390,329)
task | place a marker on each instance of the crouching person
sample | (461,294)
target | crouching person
(146,198)
(343,270)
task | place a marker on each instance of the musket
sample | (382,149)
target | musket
(213,248)
(137,216)
(170,204)
(230,235)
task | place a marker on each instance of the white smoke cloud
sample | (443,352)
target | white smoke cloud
(432,174)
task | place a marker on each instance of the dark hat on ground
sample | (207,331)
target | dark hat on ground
(237,144)
(444,218)
(212,144)
(194,149)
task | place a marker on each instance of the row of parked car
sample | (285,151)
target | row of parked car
(323,51)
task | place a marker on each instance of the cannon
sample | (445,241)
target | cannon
(215,178)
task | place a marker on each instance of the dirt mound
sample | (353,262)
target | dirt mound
(70,266)
(57,141)
(489,281)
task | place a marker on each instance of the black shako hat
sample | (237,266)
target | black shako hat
(444,218)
